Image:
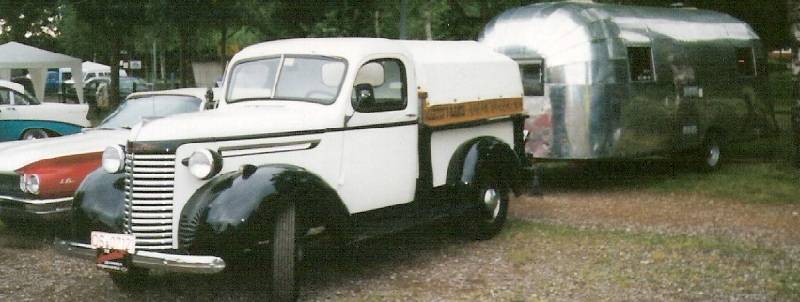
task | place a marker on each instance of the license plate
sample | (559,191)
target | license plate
(113,250)
(110,241)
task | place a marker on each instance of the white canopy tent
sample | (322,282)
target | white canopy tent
(15,55)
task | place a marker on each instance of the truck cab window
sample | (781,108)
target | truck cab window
(745,65)
(388,80)
(640,62)
(532,73)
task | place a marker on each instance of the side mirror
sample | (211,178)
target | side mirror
(364,95)
(210,103)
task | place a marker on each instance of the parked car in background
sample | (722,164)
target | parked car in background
(22,116)
(38,178)
(96,89)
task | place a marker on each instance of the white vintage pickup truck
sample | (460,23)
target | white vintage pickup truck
(316,141)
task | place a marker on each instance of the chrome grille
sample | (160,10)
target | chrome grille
(149,185)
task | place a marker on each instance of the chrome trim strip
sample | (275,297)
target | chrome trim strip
(36,201)
(232,151)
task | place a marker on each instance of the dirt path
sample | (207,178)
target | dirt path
(666,213)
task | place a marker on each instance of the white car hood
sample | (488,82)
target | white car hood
(15,155)
(240,120)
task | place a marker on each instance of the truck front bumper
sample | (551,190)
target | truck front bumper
(150,259)
(47,209)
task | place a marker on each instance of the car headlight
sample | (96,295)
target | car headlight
(113,159)
(204,163)
(29,183)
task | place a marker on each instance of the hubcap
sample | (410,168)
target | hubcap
(491,199)
(713,156)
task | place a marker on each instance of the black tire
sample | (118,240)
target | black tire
(15,225)
(134,279)
(489,215)
(286,255)
(710,156)
(31,134)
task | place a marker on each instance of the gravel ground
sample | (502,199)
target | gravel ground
(608,246)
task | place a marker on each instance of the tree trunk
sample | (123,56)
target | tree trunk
(184,57)
(377,23)
(223,45)
(163,65)
(113,89)
(428,17)
(793,7)
(403,13)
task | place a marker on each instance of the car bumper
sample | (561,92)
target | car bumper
(56,208)
(150,259)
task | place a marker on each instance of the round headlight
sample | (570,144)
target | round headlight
(31,183)
(113,159)
(204,163)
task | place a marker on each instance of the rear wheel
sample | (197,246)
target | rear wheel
(34,134)
(286,255)
(490,214)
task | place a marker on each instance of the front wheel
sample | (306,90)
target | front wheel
(490,214)
(286,255)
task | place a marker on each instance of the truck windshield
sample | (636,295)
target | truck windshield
(133,110)
(301,78)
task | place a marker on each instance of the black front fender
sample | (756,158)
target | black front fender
(99,205)
(234,211)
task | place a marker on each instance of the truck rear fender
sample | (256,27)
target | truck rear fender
(485,157)
(234,211)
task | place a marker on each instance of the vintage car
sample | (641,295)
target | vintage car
(38,178)
(606,81)
(22,116)
(315,139)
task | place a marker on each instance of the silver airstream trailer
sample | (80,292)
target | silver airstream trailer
(609,81)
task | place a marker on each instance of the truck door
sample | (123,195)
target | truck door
(380,162)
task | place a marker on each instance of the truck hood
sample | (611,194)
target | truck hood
(263,117)
(18,154)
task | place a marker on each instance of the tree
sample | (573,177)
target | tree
(30,22)
(111,21)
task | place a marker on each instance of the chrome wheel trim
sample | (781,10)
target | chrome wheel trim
(491,200)
(713,156)
(34,134)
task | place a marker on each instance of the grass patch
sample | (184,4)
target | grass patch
(757,171)
(676,266)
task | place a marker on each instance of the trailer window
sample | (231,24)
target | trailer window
(745,65)
(640,61)
(532,73)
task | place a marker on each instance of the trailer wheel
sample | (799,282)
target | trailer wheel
(286,255)
(710,157)
(489,216)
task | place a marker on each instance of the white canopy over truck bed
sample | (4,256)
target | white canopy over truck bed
(453,76)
